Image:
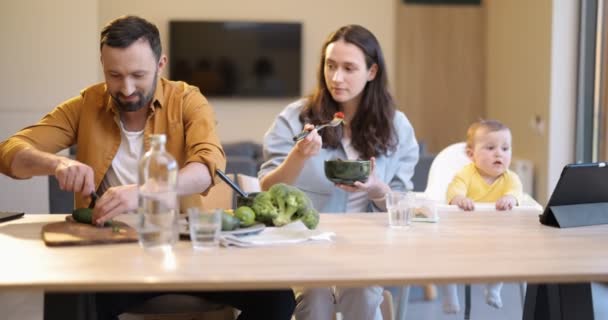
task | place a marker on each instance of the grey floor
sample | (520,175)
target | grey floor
(418,308)
(27,305)
(21,305)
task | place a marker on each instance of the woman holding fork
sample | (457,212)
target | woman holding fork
(352,79)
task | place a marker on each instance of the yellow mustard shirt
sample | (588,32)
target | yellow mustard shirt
(90,120)
(468,182)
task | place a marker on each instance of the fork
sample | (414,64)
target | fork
(337,120)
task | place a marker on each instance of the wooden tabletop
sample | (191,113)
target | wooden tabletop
(461,247)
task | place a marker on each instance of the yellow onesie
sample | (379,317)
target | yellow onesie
(468,182)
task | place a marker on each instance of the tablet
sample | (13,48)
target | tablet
(6,216)
(579,184)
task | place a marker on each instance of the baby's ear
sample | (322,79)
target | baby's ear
(469,152)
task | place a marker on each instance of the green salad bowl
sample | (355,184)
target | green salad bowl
(347,171)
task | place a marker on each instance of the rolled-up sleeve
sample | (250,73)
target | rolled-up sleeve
(53,133)
(8,150)
(202,141)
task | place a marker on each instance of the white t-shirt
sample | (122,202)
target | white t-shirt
(124,166)
(357,201)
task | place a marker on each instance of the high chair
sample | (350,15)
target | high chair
(443,169)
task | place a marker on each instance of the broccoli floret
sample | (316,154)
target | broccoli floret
(288,201)
(265,207)
(308,214)
(310,217)
(283,204)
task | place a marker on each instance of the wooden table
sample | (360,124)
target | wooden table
(461,248)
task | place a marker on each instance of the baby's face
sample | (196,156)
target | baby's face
(491,152)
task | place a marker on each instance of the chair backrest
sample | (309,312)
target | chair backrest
(248,184)
(443,169)
(220,196)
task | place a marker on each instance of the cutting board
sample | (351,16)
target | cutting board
(72,233)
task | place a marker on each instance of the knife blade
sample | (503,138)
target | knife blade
(94,197)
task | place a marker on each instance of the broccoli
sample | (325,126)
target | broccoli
(310,217)
(289,200)
(264,207)
(283,204)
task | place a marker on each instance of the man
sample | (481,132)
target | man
(109,123)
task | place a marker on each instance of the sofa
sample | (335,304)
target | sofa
(243,157)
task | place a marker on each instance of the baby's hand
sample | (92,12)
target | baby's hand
(506,203)
(463,203)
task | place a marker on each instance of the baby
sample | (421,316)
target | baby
(486,179)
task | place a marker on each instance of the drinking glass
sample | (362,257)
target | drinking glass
(205,227)
(399,208)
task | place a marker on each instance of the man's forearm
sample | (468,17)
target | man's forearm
(31,162)
(193,178)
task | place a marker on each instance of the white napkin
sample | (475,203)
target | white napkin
(294,232)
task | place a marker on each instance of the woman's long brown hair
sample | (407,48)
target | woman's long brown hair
(372,125)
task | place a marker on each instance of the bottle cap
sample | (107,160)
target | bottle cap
(159,137)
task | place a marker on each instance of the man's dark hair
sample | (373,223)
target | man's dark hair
(123,31)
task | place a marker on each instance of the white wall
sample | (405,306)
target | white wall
(49,52)
(248,119)
(564,56)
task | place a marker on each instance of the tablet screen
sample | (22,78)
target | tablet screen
(6,216)
(578,184)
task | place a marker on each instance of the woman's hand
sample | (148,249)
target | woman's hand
(374,187)
(289,170)
(310,145)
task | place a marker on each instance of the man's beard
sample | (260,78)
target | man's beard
(140,103)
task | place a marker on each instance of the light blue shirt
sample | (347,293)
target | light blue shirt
(395,169)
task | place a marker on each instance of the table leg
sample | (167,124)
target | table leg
(558,302)
(69,306)
(430,292)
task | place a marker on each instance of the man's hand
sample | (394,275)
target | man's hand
(75,176)
(463,203)
(115,201)
(506,203)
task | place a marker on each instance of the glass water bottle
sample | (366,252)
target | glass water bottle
(157,194)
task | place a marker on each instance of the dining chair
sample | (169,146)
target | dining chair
(178,306)
(443,169)
(248,183)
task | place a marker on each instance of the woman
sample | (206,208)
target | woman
(351,79)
